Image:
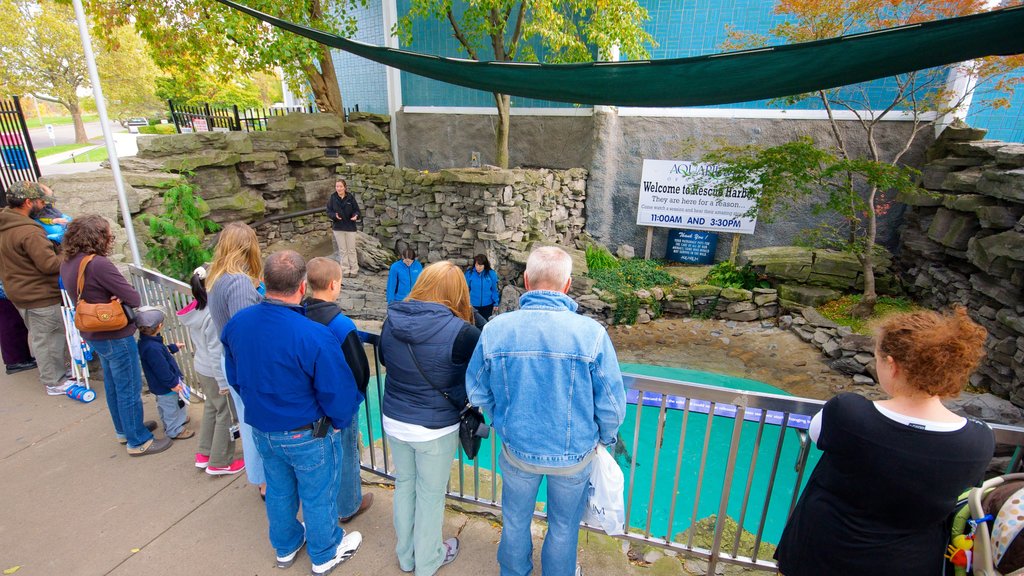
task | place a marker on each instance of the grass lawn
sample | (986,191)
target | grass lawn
(94,155)
(839,311)
(44,152)
(58,120)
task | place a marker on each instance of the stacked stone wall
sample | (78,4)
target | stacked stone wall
(455,214)
(963,243)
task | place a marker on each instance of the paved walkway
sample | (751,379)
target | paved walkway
(72,502)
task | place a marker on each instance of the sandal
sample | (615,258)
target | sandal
(185,434)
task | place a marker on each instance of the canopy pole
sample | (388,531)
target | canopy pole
(101,108)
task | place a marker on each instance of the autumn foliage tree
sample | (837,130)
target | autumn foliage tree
(541,30)
(925,97)
(203,39)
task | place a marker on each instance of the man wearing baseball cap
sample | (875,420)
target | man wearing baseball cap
(29,266)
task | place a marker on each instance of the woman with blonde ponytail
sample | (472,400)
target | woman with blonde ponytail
(891,470)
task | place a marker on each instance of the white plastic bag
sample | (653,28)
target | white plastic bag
(605,505)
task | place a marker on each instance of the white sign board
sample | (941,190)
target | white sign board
(199,125)
(677,194)
(49,131)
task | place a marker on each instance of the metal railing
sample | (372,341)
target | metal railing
(717,455)
(17,156)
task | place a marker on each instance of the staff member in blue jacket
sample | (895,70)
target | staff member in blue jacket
(298,393)
(402,276)
(483,286)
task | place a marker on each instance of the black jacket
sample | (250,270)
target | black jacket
(346,208)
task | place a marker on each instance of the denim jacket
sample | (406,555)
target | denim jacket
(549,379)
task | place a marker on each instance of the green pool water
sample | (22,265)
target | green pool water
(714,469)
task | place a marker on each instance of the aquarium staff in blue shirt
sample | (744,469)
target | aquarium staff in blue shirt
(483,286)
(402,276)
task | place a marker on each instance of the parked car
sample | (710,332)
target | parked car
(134,123)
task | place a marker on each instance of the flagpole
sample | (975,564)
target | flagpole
(101,108)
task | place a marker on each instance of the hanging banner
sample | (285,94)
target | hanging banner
(678,194)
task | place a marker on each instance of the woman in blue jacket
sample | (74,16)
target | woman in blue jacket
(402,276)
(483,286)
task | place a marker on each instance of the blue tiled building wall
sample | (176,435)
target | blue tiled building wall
(364,82)
(682,28)
(1005,124)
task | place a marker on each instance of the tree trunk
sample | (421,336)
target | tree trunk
(866,307)
(503,102)
(76,115)
(324,84)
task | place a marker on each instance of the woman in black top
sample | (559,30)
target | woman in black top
(343,210)
(891,471)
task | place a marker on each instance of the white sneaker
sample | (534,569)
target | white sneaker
(348,546)
(287,560)
(60,389)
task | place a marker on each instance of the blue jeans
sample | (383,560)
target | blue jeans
(350,489)
(253,461)
(122,381)
(171,414)
(567,497)
(301,468)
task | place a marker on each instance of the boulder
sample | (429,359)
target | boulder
(245,205)
(920,197)
(372,255)
(216,182)
(1005,184)
(1010,155)
(274,141)
(625,251)
(316,125)
(736,294)
(987,407)
(963,181)
(367,135)
(999,217)
(807,295)
(179,144)
(953,229)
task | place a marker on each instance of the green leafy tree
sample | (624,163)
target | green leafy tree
(203,39)
(542,30)
(779,178)
(128,95)
(42,55)
(924,96)
(195,91)
(176,236)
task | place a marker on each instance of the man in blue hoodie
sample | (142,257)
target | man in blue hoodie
(550,381)
(402,276)
(298,393)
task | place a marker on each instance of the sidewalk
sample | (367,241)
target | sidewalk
(74,503)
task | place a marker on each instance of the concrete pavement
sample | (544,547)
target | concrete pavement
(74,503)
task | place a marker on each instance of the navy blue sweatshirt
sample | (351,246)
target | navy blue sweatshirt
(161,370)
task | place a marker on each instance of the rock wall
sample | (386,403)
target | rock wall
(809,277)
(455,214)
(963,243)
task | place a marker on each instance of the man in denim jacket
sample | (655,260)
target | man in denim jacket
(550,382)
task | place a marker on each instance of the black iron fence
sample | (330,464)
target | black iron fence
(206,118)
(17,157)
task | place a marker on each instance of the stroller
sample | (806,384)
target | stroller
(985,527)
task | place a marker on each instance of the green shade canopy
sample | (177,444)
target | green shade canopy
(742,76)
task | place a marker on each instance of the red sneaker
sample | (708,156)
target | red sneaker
(202,460)
(233,468)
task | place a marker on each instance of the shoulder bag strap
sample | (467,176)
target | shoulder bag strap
(81,273)
(429,381)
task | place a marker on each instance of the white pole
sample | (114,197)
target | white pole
(101,107)
(393,77)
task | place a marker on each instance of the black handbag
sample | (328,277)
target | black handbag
(472,426)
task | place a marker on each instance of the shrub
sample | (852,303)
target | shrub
(625,279)
(158,129)
(176,243)
(727,275)
(599,258)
